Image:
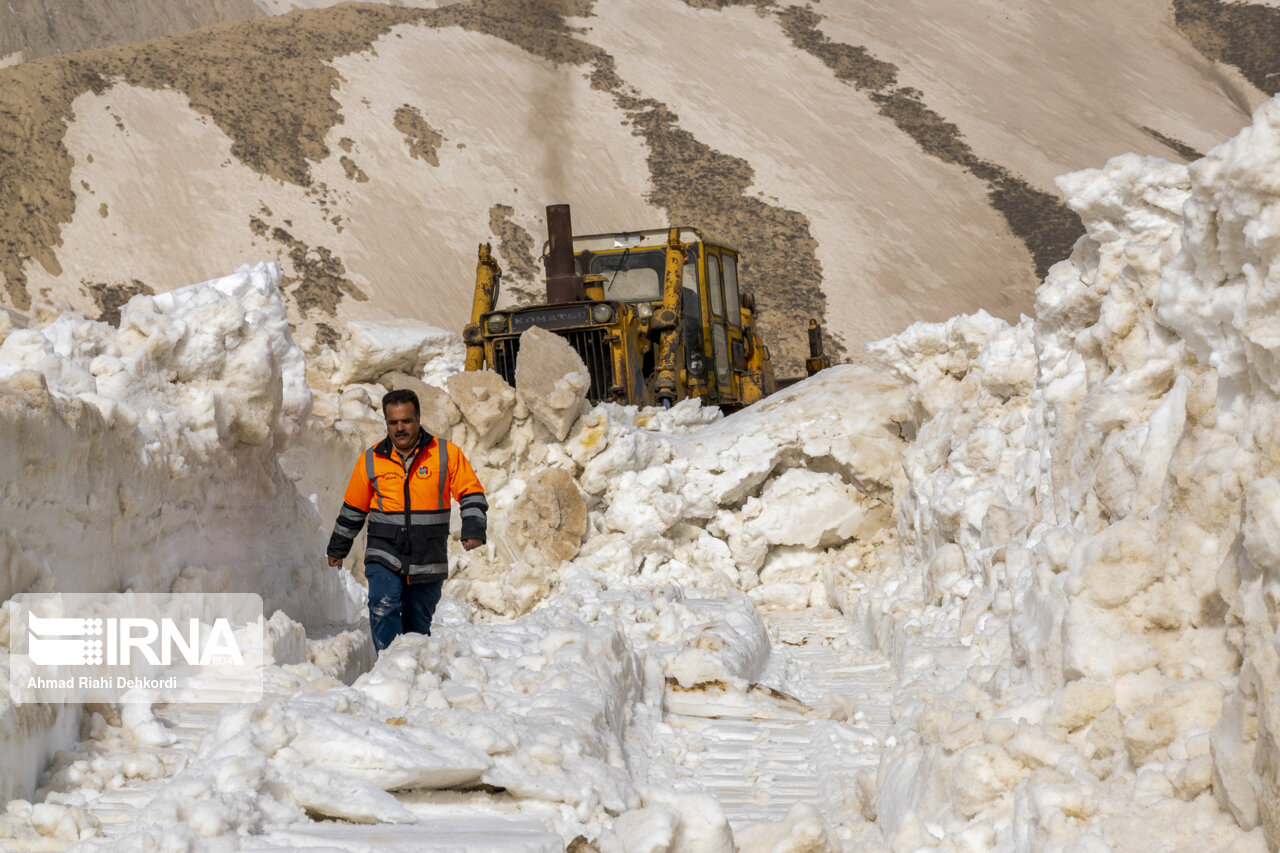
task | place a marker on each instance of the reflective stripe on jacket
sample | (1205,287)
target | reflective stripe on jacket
(408,510)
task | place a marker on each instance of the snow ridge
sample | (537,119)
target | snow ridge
(1086,510)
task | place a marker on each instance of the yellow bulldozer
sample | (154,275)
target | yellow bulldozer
(656,316)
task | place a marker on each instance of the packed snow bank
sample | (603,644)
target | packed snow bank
(160,440)
(145,458)
(1089,530)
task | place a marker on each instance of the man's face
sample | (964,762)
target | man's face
(402,425)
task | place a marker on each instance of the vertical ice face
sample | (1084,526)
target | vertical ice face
(1222,295)
(1222,291)
(146,457)
(1104,539)
(159,441)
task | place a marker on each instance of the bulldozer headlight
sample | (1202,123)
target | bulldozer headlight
(644,311)
(497,323)
(601,313)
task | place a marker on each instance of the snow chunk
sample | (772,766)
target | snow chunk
(370,349)
(551,380)
(486,401)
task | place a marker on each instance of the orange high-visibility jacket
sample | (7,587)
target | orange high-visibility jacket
(408,510)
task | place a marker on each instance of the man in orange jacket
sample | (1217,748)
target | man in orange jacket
(403,486)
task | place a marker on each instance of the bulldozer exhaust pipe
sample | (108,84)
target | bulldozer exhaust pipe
(817,359)
(563,282)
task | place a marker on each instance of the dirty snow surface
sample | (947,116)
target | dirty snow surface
(1017,589)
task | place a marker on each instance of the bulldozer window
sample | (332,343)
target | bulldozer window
(689,281)
(720,340)
(694,346)
(731,289)
(631,276)
(713,284)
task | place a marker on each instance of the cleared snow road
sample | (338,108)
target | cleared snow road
(816,717)
(799,736)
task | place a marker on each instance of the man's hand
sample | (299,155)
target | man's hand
(335,561)
(471,544)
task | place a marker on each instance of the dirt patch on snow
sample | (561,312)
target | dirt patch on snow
(321,280)
(354,172)
(1043,222)
(522,272)
(327,336)
(1182,149)
(850,63)
(536,26)
(424,140)
(35,169)
(110,298)
(1243,35)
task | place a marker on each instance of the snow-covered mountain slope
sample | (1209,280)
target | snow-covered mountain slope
(876,163)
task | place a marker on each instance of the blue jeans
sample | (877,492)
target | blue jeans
(396,607)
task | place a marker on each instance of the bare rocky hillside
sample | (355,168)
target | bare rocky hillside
(877,162)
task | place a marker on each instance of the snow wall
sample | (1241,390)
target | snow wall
(146,458)
(1091,506)
(1064,533)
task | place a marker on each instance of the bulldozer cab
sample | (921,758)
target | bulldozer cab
(718,318)
(656,316)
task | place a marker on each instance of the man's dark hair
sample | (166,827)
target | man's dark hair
(401,395)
